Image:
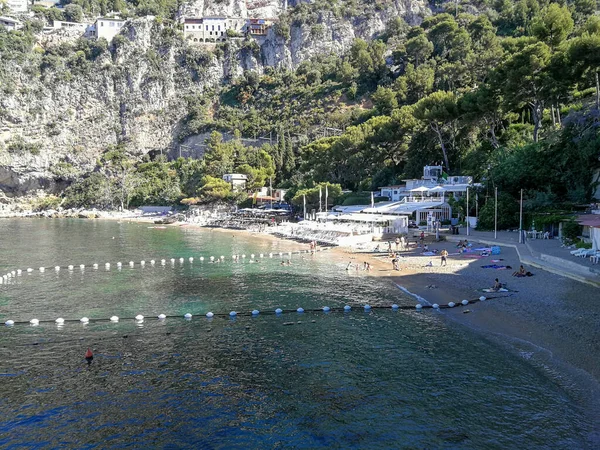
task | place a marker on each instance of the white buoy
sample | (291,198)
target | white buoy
(255,312)
(222,257)
(180,260)
(261,255)
(152,262)
(95,266)
(482,298)
(187,316)
(131,264)
(9,323)
(465,302)
(367,307)
(119,264)
(29,270)
(252,256)
(82,266)
(1,281)
(278,311)
(202,258)
(290,253)
(233,257)
(142,262)
(300,310)
(172,260)
(191,259)
(161,317)
(162,262)
(232,314)
(435,306)
(60,320)
(270,255)
(57,268)
(19,271)
(394,306)
(114,319)
(326,308)
(42,269)
(419,306)
(139,317)
(209,315)
(34,322)
(280,253)
(451,305)
(212,258)
(70,267)
(13,273)
(107,265)
(347,308)
(243,256)
(84,320)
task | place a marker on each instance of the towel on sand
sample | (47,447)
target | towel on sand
(495,266)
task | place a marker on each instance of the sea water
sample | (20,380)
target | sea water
(378,379)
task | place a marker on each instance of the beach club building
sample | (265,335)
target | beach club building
(434,181)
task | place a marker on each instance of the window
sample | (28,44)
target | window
(112,24)
(211,33)
(101,24)
(219,27)
(193,27)
(213,28)
(206,27)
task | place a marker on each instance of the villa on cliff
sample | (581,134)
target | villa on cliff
(215,28)
(105,27)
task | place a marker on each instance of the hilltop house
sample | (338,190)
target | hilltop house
(59,24)
(17,5)
(258,27)
(210,28)
(10,24)
(105,27)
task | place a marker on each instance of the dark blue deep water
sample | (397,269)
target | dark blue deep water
(382,379)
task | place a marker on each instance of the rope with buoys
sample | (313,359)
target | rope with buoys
(255,313)
(6,279)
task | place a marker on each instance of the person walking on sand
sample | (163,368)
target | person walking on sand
(444,254)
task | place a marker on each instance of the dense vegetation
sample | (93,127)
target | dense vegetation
(503,90)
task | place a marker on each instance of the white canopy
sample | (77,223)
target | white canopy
(438,189)
(420,189)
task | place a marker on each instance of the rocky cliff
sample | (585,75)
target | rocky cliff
(63,105)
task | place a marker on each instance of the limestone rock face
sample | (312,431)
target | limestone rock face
(56,118)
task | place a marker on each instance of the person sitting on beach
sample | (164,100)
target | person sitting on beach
(377,249)
(520,272)
(497,285)
(460,244)
(395,264)
(425,248)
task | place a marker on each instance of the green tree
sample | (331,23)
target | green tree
(214,189)
(523,81)
(554,25)
(385,100)
(418,49)
(438,111)
(73,13)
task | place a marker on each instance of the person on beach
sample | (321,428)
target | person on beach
(522,273)
(497,285)
(422,238)
(444,254)
(395,263)
(425,248)
(349,265)
(397,244)
(460,244)
(389,246)
(402,243)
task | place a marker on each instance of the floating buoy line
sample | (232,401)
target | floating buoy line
(254,313)
(10,277)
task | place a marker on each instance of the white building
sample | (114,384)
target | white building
(17,5)
(59,24)
(211,28)
(237,180)
(433,181)
(106,27)
(10,24)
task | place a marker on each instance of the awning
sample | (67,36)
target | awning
(590,220)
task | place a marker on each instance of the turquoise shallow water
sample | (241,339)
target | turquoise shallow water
(381,379)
